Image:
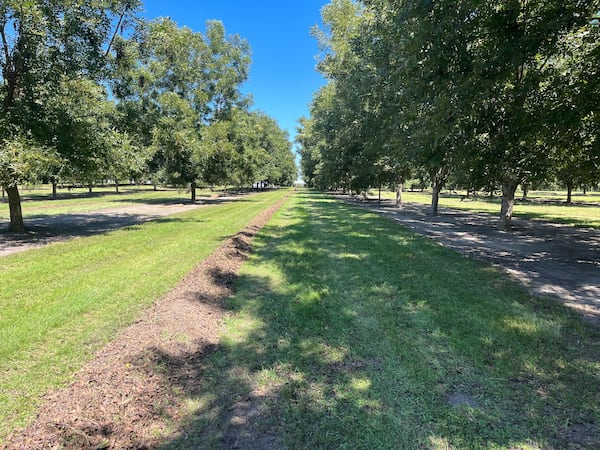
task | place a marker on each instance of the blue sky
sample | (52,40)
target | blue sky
(282,77)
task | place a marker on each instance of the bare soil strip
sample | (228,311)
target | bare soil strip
(131,395)
(547,258)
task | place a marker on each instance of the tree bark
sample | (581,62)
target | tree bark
(54,189)
(399,189)
(508,202)
(193,191)
(569,192)
(90,188)
(435,196)
(116,186)
(14,205)
(525,192)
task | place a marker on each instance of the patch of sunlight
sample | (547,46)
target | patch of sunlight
(526,446)
(312,296)
(268,375)
(270,379)
(360,384)
(326,353)
(384,290)
(439,443)
(241,328)
(356,234)
(268,272)
(349,312)
(532,326)
(316,394)
(354,256)
(419,311)
(487,341)
(192,405)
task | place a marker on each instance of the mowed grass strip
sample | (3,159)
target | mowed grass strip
(348,331)
(59,304)
(40,205)
(587,215)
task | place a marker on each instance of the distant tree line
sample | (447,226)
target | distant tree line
(482,94)
(92,92)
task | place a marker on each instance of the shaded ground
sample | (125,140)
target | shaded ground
(133,393)
(55,228)
(549,259)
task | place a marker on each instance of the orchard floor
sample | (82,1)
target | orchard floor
(129,396)
(45,230)
(549,259)
(132,394)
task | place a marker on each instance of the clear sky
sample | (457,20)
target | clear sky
(282,77)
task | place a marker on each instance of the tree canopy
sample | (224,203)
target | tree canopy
(491,94)
(92,92)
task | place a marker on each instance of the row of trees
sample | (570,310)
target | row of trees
(92,92)
(486,94)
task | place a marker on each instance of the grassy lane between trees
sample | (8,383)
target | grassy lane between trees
(37,203)
(574,214)
(348,331)
(61,303)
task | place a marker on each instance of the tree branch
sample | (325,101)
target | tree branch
(5,43)
(114,36)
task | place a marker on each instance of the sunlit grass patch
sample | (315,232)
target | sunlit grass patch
(409,345)
(61,303)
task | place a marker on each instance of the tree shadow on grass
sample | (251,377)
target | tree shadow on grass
(45,230)
(201,200)
(377,338)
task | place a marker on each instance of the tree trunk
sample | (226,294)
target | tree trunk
(435,196)
(116,186)
(16,215)
(525,192)
(380,193)
(90,188)
(508,202)
(193,191)
(569,192)
(54,189)
(3,195)
(399,189)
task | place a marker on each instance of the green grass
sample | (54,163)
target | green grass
(356,333)
(38,203)
(574,214)
(60,303)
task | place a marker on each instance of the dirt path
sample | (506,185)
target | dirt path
(56,228)
(133,393)
(549,259)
